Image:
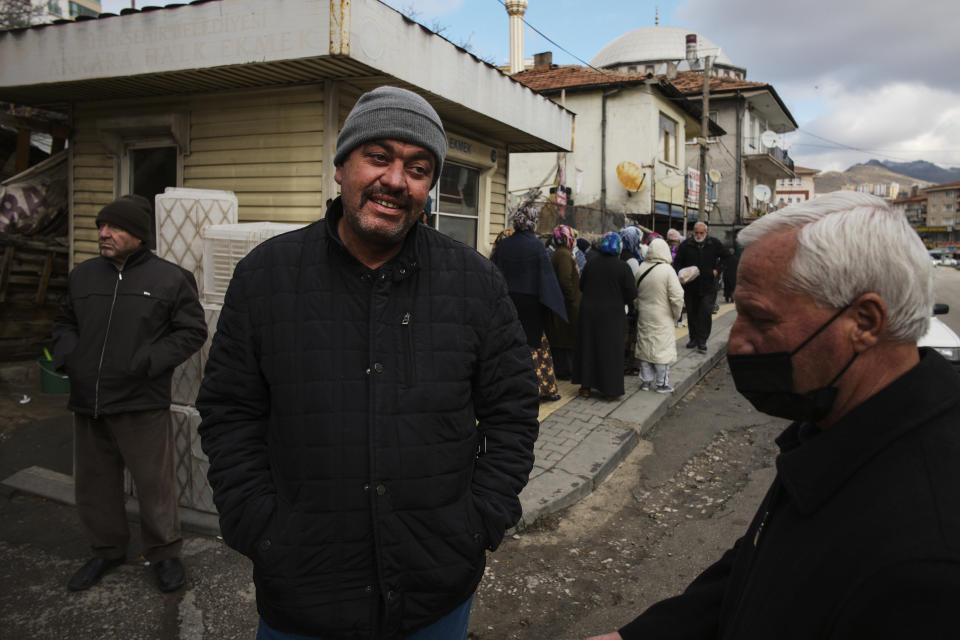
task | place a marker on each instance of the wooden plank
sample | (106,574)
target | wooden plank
(304,215)
(95,172)
(254,156)
(261,126)
(279,141)
(5,271)
(289,169)
(243,111)
(103,186)
(282,199)
(238,185)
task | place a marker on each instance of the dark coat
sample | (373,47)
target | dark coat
(368,431)
(607,285)
(707,256)
(859,536)
(562,334)
(121,333)
(523,260)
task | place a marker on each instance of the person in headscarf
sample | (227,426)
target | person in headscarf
(659,301)
(631,252)
(608,286)
(674,238)
(562,334)
(534,290)
(580,250)
(506,233)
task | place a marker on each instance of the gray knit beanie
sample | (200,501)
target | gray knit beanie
(393,113)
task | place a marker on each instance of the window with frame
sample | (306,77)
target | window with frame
(455,203)
(668,139)
(77,9)
(148,169)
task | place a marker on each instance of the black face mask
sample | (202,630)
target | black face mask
(766,380)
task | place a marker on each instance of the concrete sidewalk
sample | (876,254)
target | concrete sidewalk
(582,440)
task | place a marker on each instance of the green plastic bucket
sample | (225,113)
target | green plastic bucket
(52,381)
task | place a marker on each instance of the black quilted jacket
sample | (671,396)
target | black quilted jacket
(368,431)
(120,333)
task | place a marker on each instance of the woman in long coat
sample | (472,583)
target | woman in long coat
(533,287)
(607,285)
(659,303)
(563,334)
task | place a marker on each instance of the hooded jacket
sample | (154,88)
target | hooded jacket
(659,303)
(121,332)
(368,431)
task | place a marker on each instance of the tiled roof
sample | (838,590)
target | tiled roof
(946,185)
(805,170)
(569,76)
(691,82)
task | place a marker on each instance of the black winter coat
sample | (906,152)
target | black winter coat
(706,256)
(608,287)
(859,536)
(368,431)
(120,333)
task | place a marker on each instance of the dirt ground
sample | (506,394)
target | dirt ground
(660,519)
(21,398)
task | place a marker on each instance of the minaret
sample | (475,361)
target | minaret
(516,9)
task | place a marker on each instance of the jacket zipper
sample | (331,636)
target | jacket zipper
(408,330)
(103,349)
(768,506)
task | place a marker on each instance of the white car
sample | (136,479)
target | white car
(942,338)
(947,261)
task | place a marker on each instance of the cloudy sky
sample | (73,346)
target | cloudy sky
(863,78)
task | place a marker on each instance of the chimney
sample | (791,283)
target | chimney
(542,60)
(516,9)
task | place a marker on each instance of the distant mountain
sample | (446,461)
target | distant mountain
(869,173)
(921,170)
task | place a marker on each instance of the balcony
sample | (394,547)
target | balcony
(772,163)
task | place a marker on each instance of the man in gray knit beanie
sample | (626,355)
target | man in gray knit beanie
(389,156)
(360,361)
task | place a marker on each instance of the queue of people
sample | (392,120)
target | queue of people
(597,316)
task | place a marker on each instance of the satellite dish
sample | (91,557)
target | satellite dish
(761,192)
(630,176)
(672,180)
(768,138)
(714,175)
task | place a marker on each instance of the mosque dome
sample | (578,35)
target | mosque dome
(652,45)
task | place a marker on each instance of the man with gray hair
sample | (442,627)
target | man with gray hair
(699,295)
(369,406)
(859,535)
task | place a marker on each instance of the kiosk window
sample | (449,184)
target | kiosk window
(456,203)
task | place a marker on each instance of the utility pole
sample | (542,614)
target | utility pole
(705,128)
